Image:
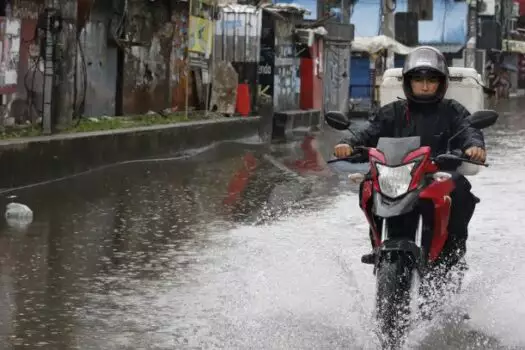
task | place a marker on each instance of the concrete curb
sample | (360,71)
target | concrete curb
(29,160)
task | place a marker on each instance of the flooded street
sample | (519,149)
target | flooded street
(241,247)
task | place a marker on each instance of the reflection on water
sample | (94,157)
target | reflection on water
(110,232)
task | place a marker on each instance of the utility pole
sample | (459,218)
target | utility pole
(66,61)
(470,50)
(388,26)
(49,72)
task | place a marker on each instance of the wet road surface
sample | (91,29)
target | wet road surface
(240,248)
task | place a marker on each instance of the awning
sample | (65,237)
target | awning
(375,44)
(306,36)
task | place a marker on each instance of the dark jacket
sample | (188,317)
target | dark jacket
(434,123)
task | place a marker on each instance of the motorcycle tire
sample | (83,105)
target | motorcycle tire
(394,281)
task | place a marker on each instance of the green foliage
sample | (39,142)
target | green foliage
(105,123)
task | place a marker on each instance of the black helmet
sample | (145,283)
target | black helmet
(428,62)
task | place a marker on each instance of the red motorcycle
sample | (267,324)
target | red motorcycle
(406,200)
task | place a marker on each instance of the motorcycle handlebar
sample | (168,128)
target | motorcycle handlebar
(349,159)
(457,156)
(357,153)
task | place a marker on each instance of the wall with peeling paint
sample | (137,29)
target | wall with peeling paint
(287,78)
(155,68)
(147,60)
(27,9)
(26,103)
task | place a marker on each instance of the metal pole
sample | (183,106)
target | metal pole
(49,73)
(388,27)
(470,51)
(188,68)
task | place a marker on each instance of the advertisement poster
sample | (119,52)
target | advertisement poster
(200,35)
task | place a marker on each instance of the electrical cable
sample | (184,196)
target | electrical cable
(390,9)
(30,90)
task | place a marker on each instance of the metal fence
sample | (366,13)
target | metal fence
(238,33)
(238,41)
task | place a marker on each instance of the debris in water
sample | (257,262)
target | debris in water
(18,215)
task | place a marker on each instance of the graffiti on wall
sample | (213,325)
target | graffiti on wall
(266,65)
(286,80)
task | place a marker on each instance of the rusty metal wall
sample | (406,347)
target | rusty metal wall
(337,76)
(147,60)
(97,64)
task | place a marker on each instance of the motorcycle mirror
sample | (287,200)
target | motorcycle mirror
(480,120)
(337,120)
(483,119)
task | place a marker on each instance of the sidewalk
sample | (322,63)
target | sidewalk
(35,159)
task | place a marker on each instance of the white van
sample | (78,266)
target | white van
(465,86)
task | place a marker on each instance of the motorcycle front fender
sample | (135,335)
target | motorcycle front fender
(401,245)
(385,207)
(394,248)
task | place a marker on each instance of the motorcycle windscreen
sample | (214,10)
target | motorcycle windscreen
(395,149)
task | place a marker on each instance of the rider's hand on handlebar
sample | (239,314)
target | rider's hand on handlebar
(342,150)
(477,154)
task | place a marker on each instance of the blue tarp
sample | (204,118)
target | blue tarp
(360,83)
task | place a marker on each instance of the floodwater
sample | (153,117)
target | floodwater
(241,247)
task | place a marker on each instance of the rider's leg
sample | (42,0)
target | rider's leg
(462,209)
(367,258)
(438,284)
(453,254)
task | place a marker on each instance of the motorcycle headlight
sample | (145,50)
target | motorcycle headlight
(394,181)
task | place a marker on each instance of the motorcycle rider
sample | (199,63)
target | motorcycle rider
(427,114)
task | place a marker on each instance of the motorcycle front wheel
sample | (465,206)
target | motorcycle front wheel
(394,280)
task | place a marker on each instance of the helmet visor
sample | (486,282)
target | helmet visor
(425,58)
